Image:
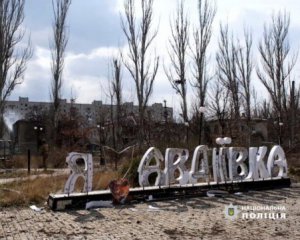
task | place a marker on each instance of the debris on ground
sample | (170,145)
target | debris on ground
(98,204)
(238,193)
(133,209)
(119,190)
(35,208)
(152,208)
(217,193)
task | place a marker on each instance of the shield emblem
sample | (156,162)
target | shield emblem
(230,211)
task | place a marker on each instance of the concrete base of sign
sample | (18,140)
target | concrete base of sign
(159,193)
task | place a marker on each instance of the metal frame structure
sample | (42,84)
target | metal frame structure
(159,193)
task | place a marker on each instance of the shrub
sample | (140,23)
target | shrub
(57,158)
(129,171)
(102,179)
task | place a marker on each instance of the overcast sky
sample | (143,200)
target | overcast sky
(95,35)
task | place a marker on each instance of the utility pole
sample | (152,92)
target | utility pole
(166,132)
(202,110)
(292,124)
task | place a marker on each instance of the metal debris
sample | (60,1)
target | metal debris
(216,193)
(119,190)
(98,204)
(35,208)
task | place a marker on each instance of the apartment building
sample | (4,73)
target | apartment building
(92,113)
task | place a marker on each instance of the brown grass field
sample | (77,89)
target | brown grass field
(26,191)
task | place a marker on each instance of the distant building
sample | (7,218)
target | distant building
(256,131)
(29,129)
(26,136)
(92,113)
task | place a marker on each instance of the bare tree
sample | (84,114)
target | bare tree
(12,59)
(293,108)
(244,71)
(226,63)
(265,110)
(201,36)
(178,42)
(274,50)
(255,102)
(141,67)
(218,104)
(115,94)
(117,89)
(58,48)
(277,65)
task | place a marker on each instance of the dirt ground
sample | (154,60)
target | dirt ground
(197,218)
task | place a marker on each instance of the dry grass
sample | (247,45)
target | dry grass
(56,159)
(101,180)
(23,173)
(25,192)
(294,174)
(21,161)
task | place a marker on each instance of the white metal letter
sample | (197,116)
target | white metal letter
(74,160)
(277,157)
(237,156)
(175,158)
(257,167)
(197,162)
(145,169)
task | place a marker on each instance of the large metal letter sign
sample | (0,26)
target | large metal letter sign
(170,173)
(237,156)
(225,164)
(73,160)
(175,158)
(277,157)
(197,161)
(145,169)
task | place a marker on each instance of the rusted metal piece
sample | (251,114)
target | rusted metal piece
(119,190)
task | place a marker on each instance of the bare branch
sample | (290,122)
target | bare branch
(227,68)
(276,67)
(58,48)
(142,69)
(13,61)
(201,37)
(244,70)
(178,43)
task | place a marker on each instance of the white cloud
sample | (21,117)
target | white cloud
(87,73)
(95,36)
